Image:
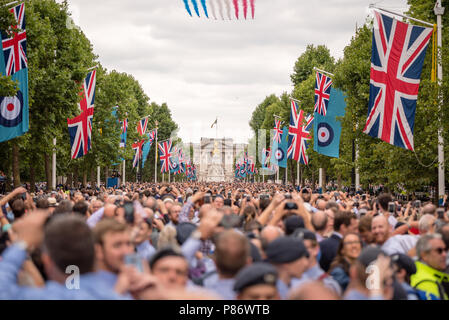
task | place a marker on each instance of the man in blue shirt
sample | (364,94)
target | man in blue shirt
(68,258)
(112,245)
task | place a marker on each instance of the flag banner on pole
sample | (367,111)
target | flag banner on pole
(142,126)
(80,127)
(147,147)
(14,111)
(277,131)
(124,133)
(165,154)
(323,85)
(266,155)
(327,129)
(398,54)
(279,150)
(137,147)
(299,134)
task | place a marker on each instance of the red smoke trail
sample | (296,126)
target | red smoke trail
(253,7)
(245,7)
(236,7)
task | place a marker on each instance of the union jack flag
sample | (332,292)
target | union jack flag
(182,162)
(15,47)
(137,146)
(277,131)
(142,126)
(165,149)
(397,58)
(152,135)
(80,127)
(323,86)
(299,134)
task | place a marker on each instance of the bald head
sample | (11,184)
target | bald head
(271,233)
(313,290)
(321,204)
(380,229)
(319,221)
(109,210)
(429,209)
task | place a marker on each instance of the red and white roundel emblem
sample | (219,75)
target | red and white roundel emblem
(279,155)
(11,109)
(325,135)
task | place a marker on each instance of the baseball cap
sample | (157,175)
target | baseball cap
(286,250)
(370,254)
(292,223)
(404,262)
(257,273)
(304,234)
(183,231)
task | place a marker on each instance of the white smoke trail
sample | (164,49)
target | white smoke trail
(228,8)
(220,7)
(212,8)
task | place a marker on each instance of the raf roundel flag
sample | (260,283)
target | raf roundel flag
(327,129)
(14,117)
(279,150)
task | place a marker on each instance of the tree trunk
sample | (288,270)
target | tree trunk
(106,174)
(69,181)
(32,177)
(292,173)
(16,165)
(84,178)
(324,179)
(75,177)
(93,180)
(47,170)
(313,179)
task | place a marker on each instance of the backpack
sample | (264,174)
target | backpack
(423,295)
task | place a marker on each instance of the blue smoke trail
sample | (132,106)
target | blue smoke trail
(187,7)
(195,6)
(203,3)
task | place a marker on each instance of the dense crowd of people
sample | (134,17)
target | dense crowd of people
(226,241)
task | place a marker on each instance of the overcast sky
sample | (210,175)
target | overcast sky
(204,68)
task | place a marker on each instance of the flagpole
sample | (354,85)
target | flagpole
(53,174)
(155,160)
(98,176)
(322,71)
(297,172)
(439,11)
(124,172)
(373,6)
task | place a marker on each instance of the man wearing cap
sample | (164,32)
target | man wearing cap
(290,257)
(314,271)
(257,282)
(371,276)
(404,267)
